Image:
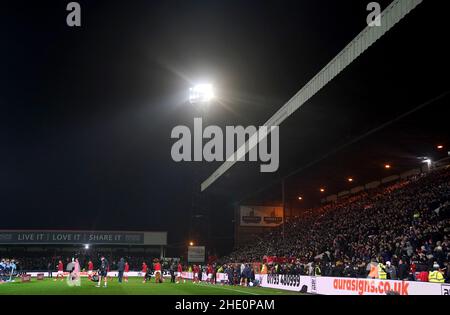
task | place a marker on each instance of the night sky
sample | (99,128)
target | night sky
(86,113)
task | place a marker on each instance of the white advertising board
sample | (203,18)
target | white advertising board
(351,286)
(258,216)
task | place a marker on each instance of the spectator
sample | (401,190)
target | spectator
(402,270)
(391,271)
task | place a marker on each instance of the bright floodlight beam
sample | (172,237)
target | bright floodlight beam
(201,94)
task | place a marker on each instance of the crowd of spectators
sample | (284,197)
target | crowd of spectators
(405,225)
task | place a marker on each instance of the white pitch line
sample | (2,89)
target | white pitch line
(225,288)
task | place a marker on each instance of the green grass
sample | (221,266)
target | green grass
(133,287)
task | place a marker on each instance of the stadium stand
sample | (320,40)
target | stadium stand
(404,226)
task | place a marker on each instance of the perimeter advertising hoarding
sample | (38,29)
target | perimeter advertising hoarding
(82,237)
(351,286)
(260,216)
(323,285)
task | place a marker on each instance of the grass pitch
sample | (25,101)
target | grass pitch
(133,287)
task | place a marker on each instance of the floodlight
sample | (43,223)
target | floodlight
(201,94)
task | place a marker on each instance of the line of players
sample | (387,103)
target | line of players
(177,276)
(7,269)
(104,272)
(210,272)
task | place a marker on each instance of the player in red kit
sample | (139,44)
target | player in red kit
(144,270)
(195,270)
(158,275)
(60,272)
(210,271)
(179,271)
(90,269)
(125,271)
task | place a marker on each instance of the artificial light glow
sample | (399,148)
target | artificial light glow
(300,198)
(387,166)
(350,179)
(86,246)
(201,93)
(191,243)
(440,147)
(322,189)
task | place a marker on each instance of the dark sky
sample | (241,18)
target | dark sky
(86,113)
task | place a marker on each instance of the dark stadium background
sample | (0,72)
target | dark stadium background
(86,114)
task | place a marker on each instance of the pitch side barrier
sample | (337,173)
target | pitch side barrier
(351,286)
(166,273)
(85,274)
(320,285)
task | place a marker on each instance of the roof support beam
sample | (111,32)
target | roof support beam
(395,12)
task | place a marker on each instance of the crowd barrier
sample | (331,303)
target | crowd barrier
(319,285)
(219,276)
(85,274)
(185,275)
